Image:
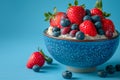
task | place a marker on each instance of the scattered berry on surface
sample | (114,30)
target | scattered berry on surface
(67,74)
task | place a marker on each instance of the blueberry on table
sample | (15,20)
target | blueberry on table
(102,73)
(36,68)
(67,74)
(117,67)
(110,69)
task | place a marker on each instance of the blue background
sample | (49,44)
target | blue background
(21,33)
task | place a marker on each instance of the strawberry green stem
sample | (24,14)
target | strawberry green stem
(47,58)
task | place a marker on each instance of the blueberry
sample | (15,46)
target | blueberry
(56,34)
(98,24)
(65,22)
(88,12)
(110,69)
(87,17)
(117,67)
(55,29)
(95,18)
(74,27)
(80,35)
(36,68)
(100,31)
(102,73)
(67,74)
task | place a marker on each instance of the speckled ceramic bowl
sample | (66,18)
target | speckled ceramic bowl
(81,54)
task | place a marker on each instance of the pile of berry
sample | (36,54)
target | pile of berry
(79,22)
(37,60)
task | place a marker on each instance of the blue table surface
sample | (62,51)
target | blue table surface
(21,33)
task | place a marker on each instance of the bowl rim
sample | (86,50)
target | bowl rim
(74,40)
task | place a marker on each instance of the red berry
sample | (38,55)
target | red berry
(76,14)
(97,11)
(55,21)
(73,32)
(65,30)
(108,25)
(87,27)
(36,58)
(109,34)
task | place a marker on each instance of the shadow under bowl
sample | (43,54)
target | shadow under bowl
(81,53)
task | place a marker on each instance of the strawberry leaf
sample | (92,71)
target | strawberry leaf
(76,2)
(106,14)
(99,4)
(69,5)
(83,5)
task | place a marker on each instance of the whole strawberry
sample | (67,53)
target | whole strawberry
(87,27)
(76,13)
(55,18)
(97,11)
(108,25)
(36,58)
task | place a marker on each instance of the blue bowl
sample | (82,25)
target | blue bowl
(81,53)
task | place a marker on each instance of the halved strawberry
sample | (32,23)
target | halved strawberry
(76,14)
(108,25)
(87,27)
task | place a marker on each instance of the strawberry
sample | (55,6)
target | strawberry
(36,58)
(97,11)
(76,14)
(87,27)
(55,18)
(108,25)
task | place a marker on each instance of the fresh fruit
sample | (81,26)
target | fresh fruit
(80,35)
(36,68)
(74,27)
(95,18)
(87,27)
(67,74)
(65,22)
(87,17)
(55,29)
(65,30)
(36,58)
(109,34)
(97,11)
(102,73)
(76,14)
(88,12)
(55,18)
(100,31)
(56,33)
(73,32)
(98,25)
(117,66)
(108,25)
(110,69)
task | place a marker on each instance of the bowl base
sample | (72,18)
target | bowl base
(81,70)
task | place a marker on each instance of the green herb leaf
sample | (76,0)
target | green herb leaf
(99,4)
